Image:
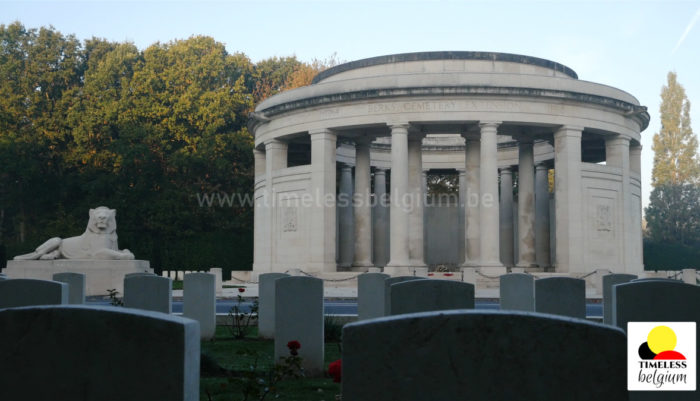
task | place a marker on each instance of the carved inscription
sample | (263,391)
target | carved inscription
(443,106)
(289,219)
(603,218)
(411,107)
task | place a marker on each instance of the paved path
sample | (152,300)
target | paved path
(349,306)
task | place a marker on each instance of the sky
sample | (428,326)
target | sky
(630,45)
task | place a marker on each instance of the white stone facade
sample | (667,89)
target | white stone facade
(395,119)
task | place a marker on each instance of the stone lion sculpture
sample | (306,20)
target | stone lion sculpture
(99,241)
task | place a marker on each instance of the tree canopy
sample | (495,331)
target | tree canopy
(673,214)
(675,146)
(149,132)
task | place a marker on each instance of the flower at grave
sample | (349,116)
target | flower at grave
(293,346)
(241,290)
(335,370)
(448,274)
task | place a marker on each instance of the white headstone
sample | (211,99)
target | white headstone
(690,276)
(266,303)
(370,295)
(67,353)
(430,295)
(199,302)
(218,273)
(609,281)
(299,317)
(564,296)
(28,292)
(517,292)
(387,290)
(465,355)
(148,292)
(76,286)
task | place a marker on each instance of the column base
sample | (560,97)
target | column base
(469,264)
(468,275)
(327,267)
(493,269)
(362,263)
(393,270)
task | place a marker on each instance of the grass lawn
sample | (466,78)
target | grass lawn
(226,360)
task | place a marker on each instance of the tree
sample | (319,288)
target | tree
(675,146)
(673,214)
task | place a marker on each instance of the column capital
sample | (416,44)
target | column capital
(541,166)
(489,125)
(507,170)
(345,166)
(362,141)
(471,136)
(568,130)
(524,139)
(461,170)
(380,171)
(322,134)
(399,128)
(617,140)
(275,144)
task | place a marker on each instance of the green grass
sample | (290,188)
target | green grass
(235,356)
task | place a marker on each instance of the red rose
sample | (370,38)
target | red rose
(241,290)
(335,369)
(293,346)
(448,274)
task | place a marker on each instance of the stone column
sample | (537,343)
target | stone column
(260,162)
(636,205)
(362,207)
(322,224)
(275,159)
(345,220)
(506,217)
(568,206)
(488,200)
(261,248)
(542,216)
(472,231)
(415,188)
(399,216)
(462,195)
(617,154)
(381,220)
(526,204)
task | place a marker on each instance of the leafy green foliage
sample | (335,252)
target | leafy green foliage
(675,146)
(673,215)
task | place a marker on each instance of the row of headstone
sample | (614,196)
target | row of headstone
(31,292)
(154,293)
(75,352)
(179,275)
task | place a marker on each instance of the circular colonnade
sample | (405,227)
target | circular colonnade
(499,122)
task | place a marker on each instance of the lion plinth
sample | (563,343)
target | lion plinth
(99,241)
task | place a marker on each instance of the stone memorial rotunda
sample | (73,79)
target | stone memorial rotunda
(341,167)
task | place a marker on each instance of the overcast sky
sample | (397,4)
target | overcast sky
(630,45)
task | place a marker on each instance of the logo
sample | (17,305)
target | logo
(661,356)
